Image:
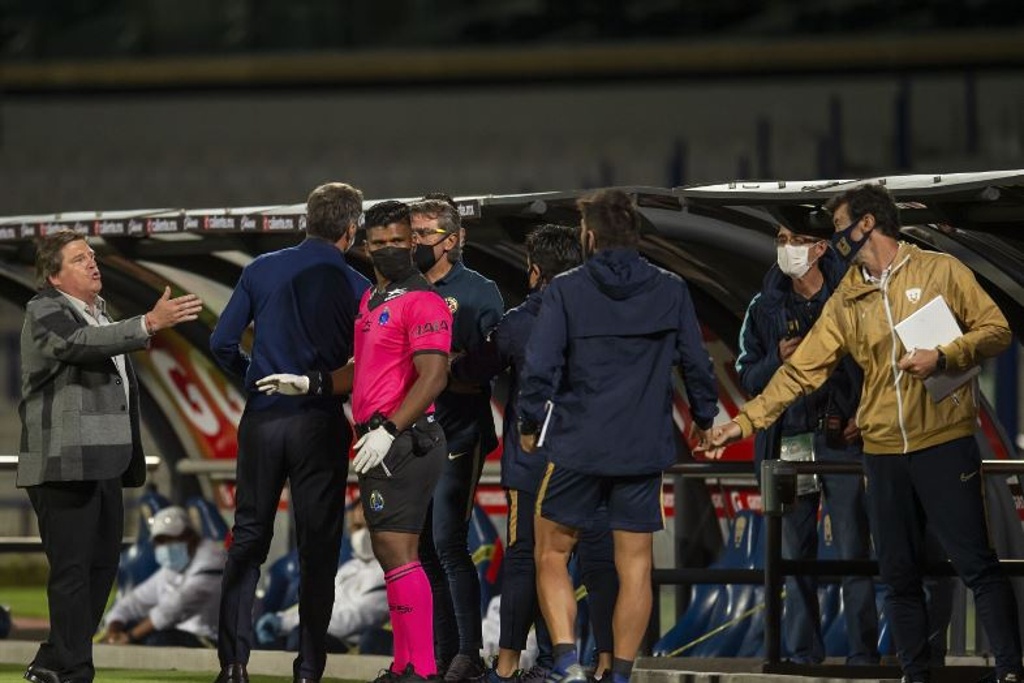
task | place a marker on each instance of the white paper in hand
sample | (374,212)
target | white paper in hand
(929,326)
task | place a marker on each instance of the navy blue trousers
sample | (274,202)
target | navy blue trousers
(939,487)
(845,498)
(309,450)
(444,554)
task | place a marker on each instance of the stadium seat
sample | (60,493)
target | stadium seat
(707,598)
(738,600)
(138,561)
(486,550)
(206,518)
(282,585)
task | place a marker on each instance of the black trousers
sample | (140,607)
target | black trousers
(81,524)
(310,450)
(939,487)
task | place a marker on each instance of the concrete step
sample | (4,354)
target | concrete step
(273,663)
(734,670)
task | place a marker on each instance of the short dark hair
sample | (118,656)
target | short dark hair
(49,254)
(441,197)
(612,217)
(331,209)
(870,198)
(554,249)
(383,214)
(442,208)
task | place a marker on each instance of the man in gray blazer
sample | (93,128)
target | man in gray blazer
(80,440)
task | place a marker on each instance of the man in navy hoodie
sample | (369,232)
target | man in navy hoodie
(550,250)
(820,425)
(597,387)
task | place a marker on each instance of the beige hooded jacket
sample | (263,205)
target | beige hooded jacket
(896,414)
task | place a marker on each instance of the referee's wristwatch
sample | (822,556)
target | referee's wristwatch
(940,362)
(528,427)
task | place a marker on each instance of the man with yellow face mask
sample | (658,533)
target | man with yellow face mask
(819,426)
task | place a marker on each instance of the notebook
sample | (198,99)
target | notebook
(929,326)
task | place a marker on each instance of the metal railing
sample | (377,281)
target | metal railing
(34,544)
(223,469)
(777,489)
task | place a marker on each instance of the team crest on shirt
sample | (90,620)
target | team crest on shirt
(376,500)
(384,317)
(453,304)
(913,294)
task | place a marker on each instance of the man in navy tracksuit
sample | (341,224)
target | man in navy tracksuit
(302,302)
(464,412)
(791,299)
(602,352)
(550,250)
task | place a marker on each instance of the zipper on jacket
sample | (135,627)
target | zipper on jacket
(896,372)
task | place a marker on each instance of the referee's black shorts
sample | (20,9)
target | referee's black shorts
(399,502)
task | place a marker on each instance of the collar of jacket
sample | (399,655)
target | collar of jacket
(856,287)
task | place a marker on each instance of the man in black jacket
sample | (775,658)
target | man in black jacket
(820,426)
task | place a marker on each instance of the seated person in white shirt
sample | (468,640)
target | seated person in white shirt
(179,604)
(360,600)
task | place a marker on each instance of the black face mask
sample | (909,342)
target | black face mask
(393,263)
(845,245)
(424,257)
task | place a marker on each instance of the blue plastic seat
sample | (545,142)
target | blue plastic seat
(710,603)
(732,612)
(138,562)
(282,586)
(206,518)
(486,550)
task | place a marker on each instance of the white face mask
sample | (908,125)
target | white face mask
(362,548)
(794,260)
(173,556)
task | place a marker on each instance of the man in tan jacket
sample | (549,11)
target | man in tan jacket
(921,459)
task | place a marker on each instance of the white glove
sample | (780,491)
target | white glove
(285,384)
(371,449)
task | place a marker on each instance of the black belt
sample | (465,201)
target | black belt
(377,419)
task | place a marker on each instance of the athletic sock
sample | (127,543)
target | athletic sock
(565,656)
(412,618)
(622,669)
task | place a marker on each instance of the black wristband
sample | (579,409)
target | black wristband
(390,427)
(320,383)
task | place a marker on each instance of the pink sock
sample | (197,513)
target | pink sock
(412,618)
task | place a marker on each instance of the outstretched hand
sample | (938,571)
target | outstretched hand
(720,437)
(168,312)
(284,384)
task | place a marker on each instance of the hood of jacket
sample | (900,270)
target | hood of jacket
(620,273)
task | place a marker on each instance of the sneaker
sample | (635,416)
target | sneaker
(535,674)
(1011,678)
(387,676)
(465,668)
(410,676)
(574,674)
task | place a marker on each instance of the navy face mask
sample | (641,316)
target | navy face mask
(845,245)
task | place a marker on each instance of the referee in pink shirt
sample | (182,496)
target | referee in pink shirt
(402,340)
